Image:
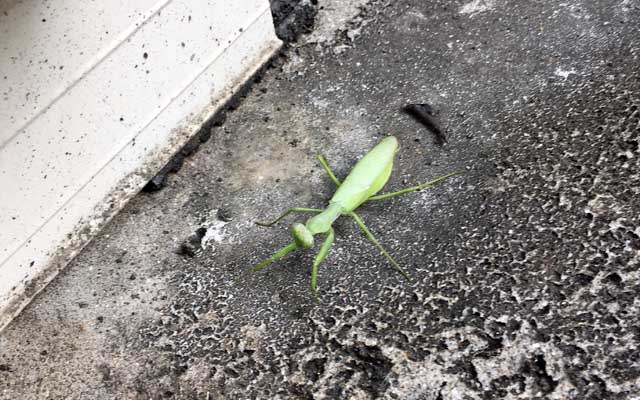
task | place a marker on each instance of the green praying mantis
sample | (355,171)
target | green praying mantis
(365,180)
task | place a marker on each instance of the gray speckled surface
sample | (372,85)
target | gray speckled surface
(525,269)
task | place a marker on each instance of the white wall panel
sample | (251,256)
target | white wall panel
(96,96)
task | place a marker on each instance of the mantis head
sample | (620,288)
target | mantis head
(301,235)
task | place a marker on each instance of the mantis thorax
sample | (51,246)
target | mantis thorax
(322,222)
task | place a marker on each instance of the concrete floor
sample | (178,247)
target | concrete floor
(524,270)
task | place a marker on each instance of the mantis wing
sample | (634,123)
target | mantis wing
(368,176)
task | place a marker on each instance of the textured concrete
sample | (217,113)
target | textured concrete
(525,269)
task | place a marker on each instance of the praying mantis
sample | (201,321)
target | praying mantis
(365,180)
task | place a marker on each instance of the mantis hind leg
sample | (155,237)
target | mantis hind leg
(289,211)
(322,254)
(413,188)
(368,233)
(325,166)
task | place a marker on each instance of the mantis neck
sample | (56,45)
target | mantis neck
(322,222)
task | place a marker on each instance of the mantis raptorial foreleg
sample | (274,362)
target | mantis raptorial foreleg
(325,166)
(322,254)
(413,188)
(289,211)
(375,241)
(278,255)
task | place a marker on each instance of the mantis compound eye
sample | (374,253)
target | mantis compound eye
(302,235)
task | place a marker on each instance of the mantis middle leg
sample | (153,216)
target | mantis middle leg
(375,241)
(325,166)
(413,188)
(289,211)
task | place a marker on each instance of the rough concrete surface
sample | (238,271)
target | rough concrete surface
(524,270)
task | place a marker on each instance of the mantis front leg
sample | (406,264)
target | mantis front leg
(289,211)
(375,241)
(413,188)
(276,256)
(322,254)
